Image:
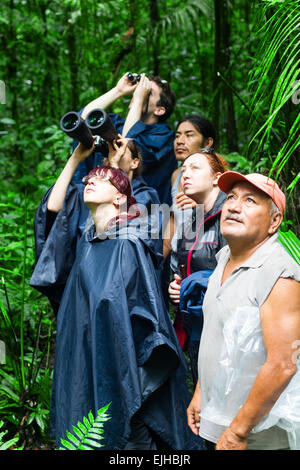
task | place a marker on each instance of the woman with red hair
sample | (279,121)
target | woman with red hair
(198,244)
(115,340)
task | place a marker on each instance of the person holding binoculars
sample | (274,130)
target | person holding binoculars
(151,105)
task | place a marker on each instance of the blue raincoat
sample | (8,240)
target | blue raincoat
(115,340)
(192,293)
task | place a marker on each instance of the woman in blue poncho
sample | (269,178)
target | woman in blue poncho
(115,341)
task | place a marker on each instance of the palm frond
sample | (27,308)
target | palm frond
(274,81)
(291,243)
(180,18)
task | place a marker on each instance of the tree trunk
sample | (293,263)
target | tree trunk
(12,86)
(223,98)
(74,67)
(47,103)
(154,16)
(232,139)
(129,42)
(217,64)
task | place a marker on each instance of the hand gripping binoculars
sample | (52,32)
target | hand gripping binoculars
(133,79)
(96,123)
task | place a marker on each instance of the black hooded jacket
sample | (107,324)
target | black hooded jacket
(209,239)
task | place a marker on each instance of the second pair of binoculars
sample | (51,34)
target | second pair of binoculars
(133,78)
(97,123)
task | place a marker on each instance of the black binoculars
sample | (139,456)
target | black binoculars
(133,79)
(96,123)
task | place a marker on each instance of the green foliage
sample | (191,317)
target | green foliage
(11,442)
(291,243)
(238,65)
(25,384)
(275,83)
(87,434)
(25,326)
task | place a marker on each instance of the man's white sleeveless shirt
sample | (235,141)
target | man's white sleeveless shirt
(232,349)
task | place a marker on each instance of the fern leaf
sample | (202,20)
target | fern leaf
(86,422)
(100,425)
(103,410)
(68,444)
(72,438)
(91,417)
(78,432)
(83,447)
(92,443)
(81,427)
(99,428)
(88,434)
(95,435)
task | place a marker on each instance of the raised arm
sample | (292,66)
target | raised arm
(59,190)
(280,321)
(124,87)
(140,96)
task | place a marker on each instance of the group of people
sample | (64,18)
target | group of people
(234,287)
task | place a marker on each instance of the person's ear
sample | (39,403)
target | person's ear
(216,177)
(276,219)
(209,142)
(120,201)
(160,111)
(135,163)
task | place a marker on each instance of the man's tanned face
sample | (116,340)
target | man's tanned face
(247,215)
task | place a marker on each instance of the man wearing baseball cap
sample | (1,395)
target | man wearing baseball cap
(248,388)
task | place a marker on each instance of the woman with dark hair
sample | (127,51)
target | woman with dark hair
(115,342)
(200,241)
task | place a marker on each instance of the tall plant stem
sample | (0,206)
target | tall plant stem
(22,309)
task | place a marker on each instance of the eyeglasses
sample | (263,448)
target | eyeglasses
(87,178)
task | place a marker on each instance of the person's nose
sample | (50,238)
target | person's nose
(91,181)
(186,174)
(181,139)
(235,205)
